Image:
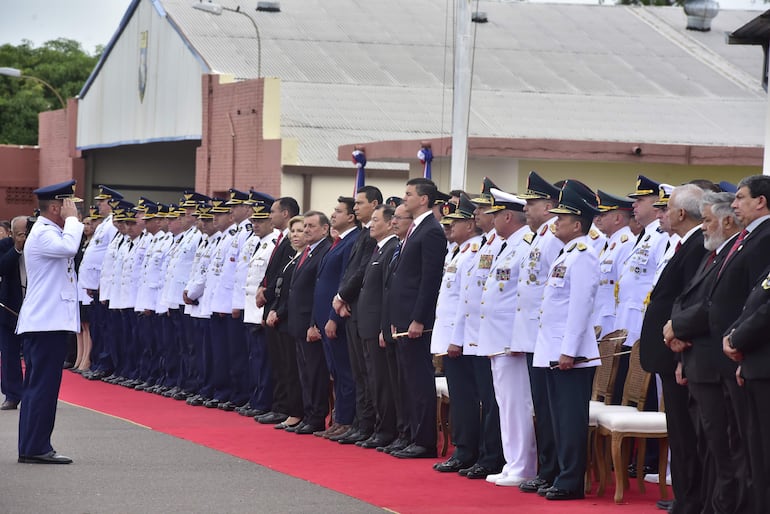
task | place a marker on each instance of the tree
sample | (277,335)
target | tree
(61,62)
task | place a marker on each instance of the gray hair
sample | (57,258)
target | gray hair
(720,205)
(19,219)
(688,197)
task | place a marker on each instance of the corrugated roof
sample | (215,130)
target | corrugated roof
(357,71)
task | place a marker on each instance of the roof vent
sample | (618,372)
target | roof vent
(479,17)
(700,13)
(266,6)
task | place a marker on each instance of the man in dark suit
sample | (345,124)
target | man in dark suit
(702,361)
(331,325)
(313,372)
(285,391)
(346,305)
(683,217)
(743,263)
(369,318)
(411,304)
(12,288)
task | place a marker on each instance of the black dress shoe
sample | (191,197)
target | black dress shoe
(294,428)
(451,465)
(47,458)
(414,451)
(397,445)
(375,441)
(285,426)
(349,432)
(181,395)
(95,375)
(666,505)
(355,437)
(307,429)
(195,401)
(227,406)
(9,405)
(562,494)
(211,404)
(646,469)
(478,472)
(271,418)
(532,486)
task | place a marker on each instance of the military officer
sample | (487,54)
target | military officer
(509,370)
(48,313)
(566,336)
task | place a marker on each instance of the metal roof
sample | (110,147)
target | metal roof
(357,71)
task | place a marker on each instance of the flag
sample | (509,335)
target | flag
(359,159)
(426,156)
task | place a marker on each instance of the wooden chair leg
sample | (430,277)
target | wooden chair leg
(625,448)
(447,426)
(590,460)
(603,462)
(663,467)
(641,448)
(621,472)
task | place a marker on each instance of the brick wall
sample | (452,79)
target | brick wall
(59,160)
(233,152)
(18,177)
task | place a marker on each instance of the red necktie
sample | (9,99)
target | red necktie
(304,256)
(408,233)
(734,248)
(712,257)
(678,246)
(336,242)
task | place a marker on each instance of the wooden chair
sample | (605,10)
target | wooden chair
(604,383)
(442,413)
(620,426)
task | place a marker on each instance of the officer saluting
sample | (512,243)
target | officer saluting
(48,314)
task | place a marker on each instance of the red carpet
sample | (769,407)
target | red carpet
(399,485)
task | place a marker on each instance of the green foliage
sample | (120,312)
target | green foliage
(61,62)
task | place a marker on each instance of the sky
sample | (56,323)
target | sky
(90,22)
(93,22)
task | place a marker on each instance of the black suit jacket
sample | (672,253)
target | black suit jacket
(283,254)
(10,287)
(416,276)
(750,331)
(369,306)
(300,303)
(704,360)
(353,277)
(654,354)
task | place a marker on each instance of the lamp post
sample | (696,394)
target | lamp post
(13,72)
(212,8)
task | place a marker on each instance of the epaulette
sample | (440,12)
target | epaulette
(623,238)
(528,238)
(553,228)
(593,234)
(475,247)
(489,241)
(233,231)
(249,227)
(581,247)
(571,247)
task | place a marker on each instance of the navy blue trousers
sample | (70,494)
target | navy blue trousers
(260,377)
(338,362)
(11,377)
(44,354)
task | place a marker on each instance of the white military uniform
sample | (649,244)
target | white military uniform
(509,372)
(51,302)
(151,272)
(258,262)
(568,299)
(131,271)
(636,280)
(108,266)
(533,273)
(597,238)
(611,259)
(250,244)
(180,263)
(449,297)
(93,257)
(116,282)
(223,267)
(196,284)
(472,279)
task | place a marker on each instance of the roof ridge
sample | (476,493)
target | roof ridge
(698,50)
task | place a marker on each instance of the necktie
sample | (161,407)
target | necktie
(336,242)
(408,233)
(711,258)
(483,240)
(502,247)
(455,251)
(734,248)
(396,253)
(304,256)
(678,246)
(639,237)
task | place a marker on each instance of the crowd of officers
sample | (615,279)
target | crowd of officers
(242,304)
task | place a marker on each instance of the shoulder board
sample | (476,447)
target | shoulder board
(593,234)
(571,247)
(475,247)
(464,248)
(249,227)
(766,283)
(529,237)
(489,241)
(542,232)
(232,231)
(623,238)
(581,247)
(659,230)
(553,228)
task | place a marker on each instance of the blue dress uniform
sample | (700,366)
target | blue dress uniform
(566,330)
(48,314)
(509,371)
(611,257)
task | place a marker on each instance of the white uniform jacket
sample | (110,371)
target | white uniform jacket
(255,273)
(180,261)
(498,297)
(197,282)
(611,259)
(93,257)
(568,299)
(108,267)
(51,302)
(533,274)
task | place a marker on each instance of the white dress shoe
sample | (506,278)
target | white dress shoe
(510,481)
(494,478)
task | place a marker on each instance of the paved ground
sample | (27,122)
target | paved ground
(121,467)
